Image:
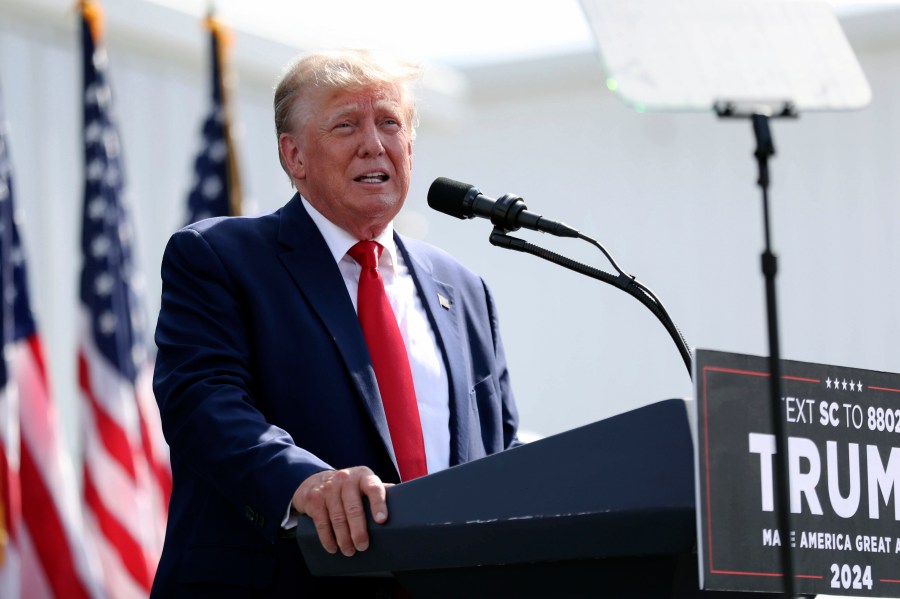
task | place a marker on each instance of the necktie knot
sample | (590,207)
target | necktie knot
(367,253)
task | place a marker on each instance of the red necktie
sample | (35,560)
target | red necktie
(391,363)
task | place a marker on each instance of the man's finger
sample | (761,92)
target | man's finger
(372,487)
(356,515)
(315,508)
(334,500)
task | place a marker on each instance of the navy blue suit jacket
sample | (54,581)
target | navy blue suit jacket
(263,378)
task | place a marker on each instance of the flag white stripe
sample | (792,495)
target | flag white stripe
(10,582)
(10,572)
(116,580)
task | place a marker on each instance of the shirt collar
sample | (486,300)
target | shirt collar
(340,241)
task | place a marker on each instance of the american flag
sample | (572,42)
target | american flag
(45,551)
(126,473)
(215,190)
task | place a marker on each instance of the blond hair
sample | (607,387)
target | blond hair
(347,70)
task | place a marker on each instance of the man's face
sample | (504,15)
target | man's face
(352,157)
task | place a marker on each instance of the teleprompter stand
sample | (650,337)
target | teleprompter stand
(759,116)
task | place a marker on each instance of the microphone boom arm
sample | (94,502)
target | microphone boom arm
(623,281)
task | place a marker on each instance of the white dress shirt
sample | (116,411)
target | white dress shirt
(425,359)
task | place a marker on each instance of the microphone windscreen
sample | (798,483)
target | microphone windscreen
(447,196)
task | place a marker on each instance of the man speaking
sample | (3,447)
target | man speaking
(310,357)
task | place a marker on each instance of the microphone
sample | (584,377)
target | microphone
(507,212)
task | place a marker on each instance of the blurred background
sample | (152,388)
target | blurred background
(514,101)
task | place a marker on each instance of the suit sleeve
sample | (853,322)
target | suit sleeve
(203,383)
(508,413)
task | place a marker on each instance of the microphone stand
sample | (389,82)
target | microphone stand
(623,281)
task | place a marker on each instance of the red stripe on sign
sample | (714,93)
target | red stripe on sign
(766,574)
(739,573)
(754,373)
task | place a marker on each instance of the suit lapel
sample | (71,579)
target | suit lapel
(306,257)
(440,301)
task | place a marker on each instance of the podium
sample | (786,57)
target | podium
(602,510)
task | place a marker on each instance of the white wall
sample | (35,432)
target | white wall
(672,196)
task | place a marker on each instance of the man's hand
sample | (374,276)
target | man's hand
(333,499)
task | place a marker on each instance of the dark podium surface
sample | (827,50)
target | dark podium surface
(602,510)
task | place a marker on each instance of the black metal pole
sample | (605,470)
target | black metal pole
(764,149)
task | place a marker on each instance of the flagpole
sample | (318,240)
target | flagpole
(222,41)
(216,190)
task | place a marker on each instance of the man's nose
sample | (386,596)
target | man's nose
(370,141)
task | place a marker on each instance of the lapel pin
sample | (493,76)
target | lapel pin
(445,303)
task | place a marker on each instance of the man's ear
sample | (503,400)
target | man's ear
(292,155)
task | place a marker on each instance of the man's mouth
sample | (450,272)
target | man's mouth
(373,177)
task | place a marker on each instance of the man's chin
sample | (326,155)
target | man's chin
(380,207)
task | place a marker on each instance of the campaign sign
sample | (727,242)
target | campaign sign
(843,447)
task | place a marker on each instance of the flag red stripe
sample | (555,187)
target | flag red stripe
(37,354)
(128,549)
(111,434)
(47,533)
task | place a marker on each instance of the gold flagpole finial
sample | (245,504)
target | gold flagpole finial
(223,34)
(93,14)
(224,43)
